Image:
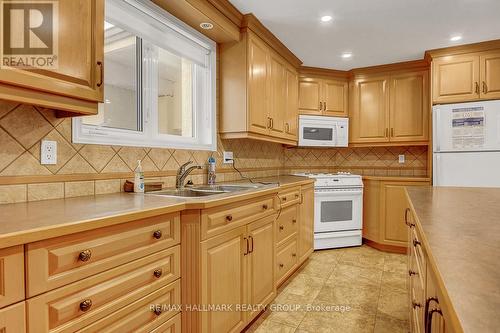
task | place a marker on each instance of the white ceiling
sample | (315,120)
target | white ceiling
(375,31)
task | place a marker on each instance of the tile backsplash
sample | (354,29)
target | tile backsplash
(98,169)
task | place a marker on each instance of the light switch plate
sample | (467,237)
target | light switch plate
(401,159)
(48,152)
(227,157)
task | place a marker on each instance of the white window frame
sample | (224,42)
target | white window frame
(204,104)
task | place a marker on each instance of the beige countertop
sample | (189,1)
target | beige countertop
(398,178)
(27,222)
(461,227)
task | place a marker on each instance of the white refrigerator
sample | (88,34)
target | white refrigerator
(466,144)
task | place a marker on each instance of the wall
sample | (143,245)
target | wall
(99,169)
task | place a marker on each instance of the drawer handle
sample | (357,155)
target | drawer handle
(416,242)
(158,272)
(86,305)
(416,305)
(229,218)
(284,198)
(265,206)
(101,73)
(281,227)
(407,221)
(157,311)
(281,265)
(294,221)
(157,234)
(85,255)
(410,272)
(294,255)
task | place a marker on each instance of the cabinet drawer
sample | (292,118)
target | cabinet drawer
(286,225)
(82,303)
(13,319)
(418,253)
(286,259)
(217,220)
(289,197)
(173,325)
(59,261)
(139,316)
(11,275)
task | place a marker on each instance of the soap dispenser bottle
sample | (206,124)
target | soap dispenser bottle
(138,178)
(211,170)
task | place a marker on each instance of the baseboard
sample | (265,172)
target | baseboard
(385,247)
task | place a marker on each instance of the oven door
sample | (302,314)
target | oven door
(338,209)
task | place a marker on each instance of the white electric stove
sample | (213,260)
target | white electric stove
(338,209)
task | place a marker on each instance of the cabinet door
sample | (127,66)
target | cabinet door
(490,75)
(310,96)
(292,99)
(258,86)
(224,280)
(13,319)
(79,71)
(261,287)
(393,204)
(370,115)
(278,97)
(335,97)
(306,223)
(11,275)
(409,110)
(455,79)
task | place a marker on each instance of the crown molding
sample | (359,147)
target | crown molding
(460,49)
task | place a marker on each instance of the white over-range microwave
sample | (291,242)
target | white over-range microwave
(321,131)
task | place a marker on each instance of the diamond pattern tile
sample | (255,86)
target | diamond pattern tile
(9,149)
(98,156)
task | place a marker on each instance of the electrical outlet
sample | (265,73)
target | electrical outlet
(227,157)
(48,152)
(401,159)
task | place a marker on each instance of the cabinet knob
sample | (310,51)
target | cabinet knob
(410,273)
(229,218)
(282,227)
(85,255)
(284,198)
(281,265)
(157,311)
(296,196)
(157,234)
(294,255)
(158,272)
(416,305)
(264,206)
(294,221)
(416,242)
(86,305)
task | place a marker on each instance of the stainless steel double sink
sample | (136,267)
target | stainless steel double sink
(203,190)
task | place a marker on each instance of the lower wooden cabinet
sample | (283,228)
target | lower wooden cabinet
(384,205)
(13,319)
(306,223)
(237,268)
(11,275)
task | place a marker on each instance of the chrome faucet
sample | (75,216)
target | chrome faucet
(182,173)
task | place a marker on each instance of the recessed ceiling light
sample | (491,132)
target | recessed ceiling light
(455,38)
(206,25)
(346,55)
(326,18)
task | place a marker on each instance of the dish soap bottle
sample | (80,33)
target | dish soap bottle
(138,178)
(211,171)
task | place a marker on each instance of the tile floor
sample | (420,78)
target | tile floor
(372,283)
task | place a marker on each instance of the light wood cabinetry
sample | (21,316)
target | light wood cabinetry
(306,223)
(286,260)
(59,261)
(466,77)
(13,319)
(390,108)
(258,92)
(76,83)
(323,97)
(384,205)
(11,275)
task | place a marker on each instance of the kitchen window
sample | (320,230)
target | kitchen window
(159,82)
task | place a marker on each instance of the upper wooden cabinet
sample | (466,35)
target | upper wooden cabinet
(76,82)
(258,92)
(323,97)
(390,108)
(466,77)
